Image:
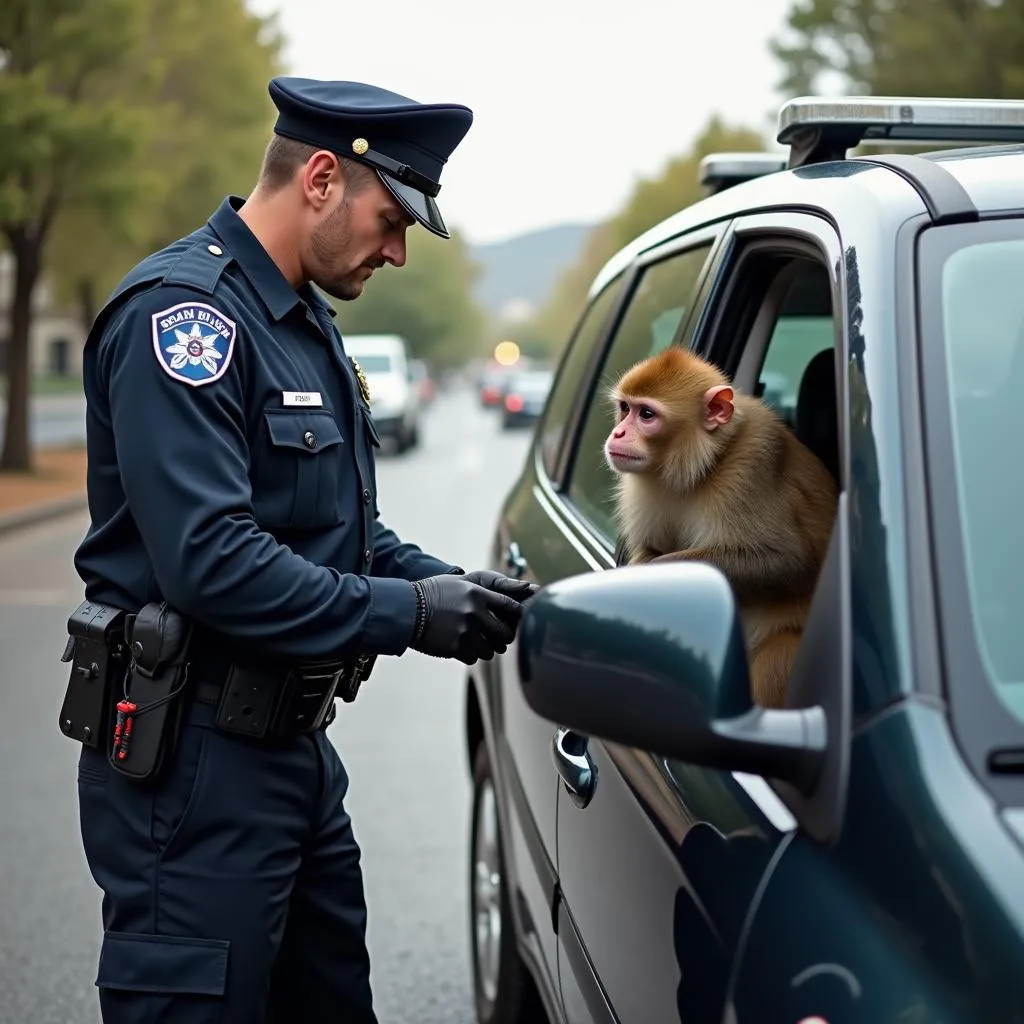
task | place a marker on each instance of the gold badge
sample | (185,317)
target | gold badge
(364,388)
(360,146)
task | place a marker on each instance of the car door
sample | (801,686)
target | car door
(528,544)
(660,862)
(542,541)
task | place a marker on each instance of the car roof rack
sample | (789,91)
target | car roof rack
(719,171)
(817,129)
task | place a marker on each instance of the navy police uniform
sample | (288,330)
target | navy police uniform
(231,475)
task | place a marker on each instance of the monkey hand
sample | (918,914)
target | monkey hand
(518,590)
(456,618)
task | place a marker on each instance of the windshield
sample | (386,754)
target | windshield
(983,332)
(373,363)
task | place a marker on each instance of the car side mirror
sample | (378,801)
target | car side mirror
(652,656)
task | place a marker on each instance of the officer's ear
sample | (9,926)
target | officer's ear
(320,174)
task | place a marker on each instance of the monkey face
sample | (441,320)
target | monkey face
(630,445)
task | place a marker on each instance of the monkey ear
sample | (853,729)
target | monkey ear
(718,407)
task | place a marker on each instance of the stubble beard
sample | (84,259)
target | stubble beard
(329,244)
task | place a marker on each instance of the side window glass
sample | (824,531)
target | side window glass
(656,309)
(803,329)
(570,373)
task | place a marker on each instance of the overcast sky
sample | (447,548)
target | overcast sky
(574,100)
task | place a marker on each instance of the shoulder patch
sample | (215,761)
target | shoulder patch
(193,342)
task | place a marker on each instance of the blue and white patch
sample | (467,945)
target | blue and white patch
(193,342)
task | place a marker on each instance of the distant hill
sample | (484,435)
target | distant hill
(523,269)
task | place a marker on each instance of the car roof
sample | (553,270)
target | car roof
(989,175)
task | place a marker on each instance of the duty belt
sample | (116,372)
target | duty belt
(282,703)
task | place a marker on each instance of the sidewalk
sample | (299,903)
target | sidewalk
(56,486)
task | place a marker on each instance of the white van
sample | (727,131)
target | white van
(394,396)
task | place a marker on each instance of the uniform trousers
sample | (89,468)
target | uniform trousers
(232,889)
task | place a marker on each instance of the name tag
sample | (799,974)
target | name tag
(301,398)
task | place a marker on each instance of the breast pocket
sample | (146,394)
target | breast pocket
(298,470)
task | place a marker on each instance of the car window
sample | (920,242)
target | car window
(803,329)
(373,363)
(656,310)
(983,345)
(570,373)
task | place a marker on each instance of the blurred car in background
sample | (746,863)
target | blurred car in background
(492,385)
(394,395)
(426,385)
(525,395)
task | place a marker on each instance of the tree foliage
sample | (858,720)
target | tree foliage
(119,119)
(969,48)
(428,301)
(677,186)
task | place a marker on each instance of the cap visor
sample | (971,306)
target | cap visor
(416,204)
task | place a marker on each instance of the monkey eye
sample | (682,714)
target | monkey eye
(646,413)
(623,406)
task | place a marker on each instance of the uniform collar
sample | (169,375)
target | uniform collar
(267,281)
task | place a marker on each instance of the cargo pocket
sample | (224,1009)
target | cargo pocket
(297,470)
(172,979)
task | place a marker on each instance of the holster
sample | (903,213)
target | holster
(354,676)
(98,656)
(149,720)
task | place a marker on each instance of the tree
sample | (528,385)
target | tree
(66,136)
(970,48)
(121,124)
(429,302)
(677,186)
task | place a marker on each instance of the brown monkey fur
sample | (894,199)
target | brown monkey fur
(708,474)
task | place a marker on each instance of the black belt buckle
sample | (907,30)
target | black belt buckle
(307,698)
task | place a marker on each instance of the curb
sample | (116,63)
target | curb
(41,513)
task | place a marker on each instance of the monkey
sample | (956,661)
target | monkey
(707,474)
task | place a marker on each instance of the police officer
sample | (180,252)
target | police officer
(231,483)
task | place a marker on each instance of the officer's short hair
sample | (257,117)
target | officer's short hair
(285,156)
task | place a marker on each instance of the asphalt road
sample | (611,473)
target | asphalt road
(401,742)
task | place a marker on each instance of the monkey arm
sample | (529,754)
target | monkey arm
(755,576)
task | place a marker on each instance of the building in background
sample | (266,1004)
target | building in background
(57,337)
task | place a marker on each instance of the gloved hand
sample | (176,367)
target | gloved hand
(456,618)
(518,590)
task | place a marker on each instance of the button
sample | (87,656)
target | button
(216,250)
(366,497)
(309,439)
(137,649)
(367,555)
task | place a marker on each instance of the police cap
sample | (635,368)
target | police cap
(406,142)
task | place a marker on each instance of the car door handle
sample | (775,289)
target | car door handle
(514,561)
(573,763)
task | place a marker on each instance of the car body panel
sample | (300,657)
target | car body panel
(917,914)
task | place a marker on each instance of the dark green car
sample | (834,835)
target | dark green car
(646,846)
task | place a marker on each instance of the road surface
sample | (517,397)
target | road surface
(54,420)
(401,742)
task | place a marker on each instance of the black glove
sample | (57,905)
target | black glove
(455,618)
(518,590)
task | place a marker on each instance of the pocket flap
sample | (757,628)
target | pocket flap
(371,427)
(309,430)
(163,963)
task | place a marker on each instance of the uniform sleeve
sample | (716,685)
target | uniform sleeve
(397,560)
(184,463)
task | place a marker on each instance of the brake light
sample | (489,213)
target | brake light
(514,403)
